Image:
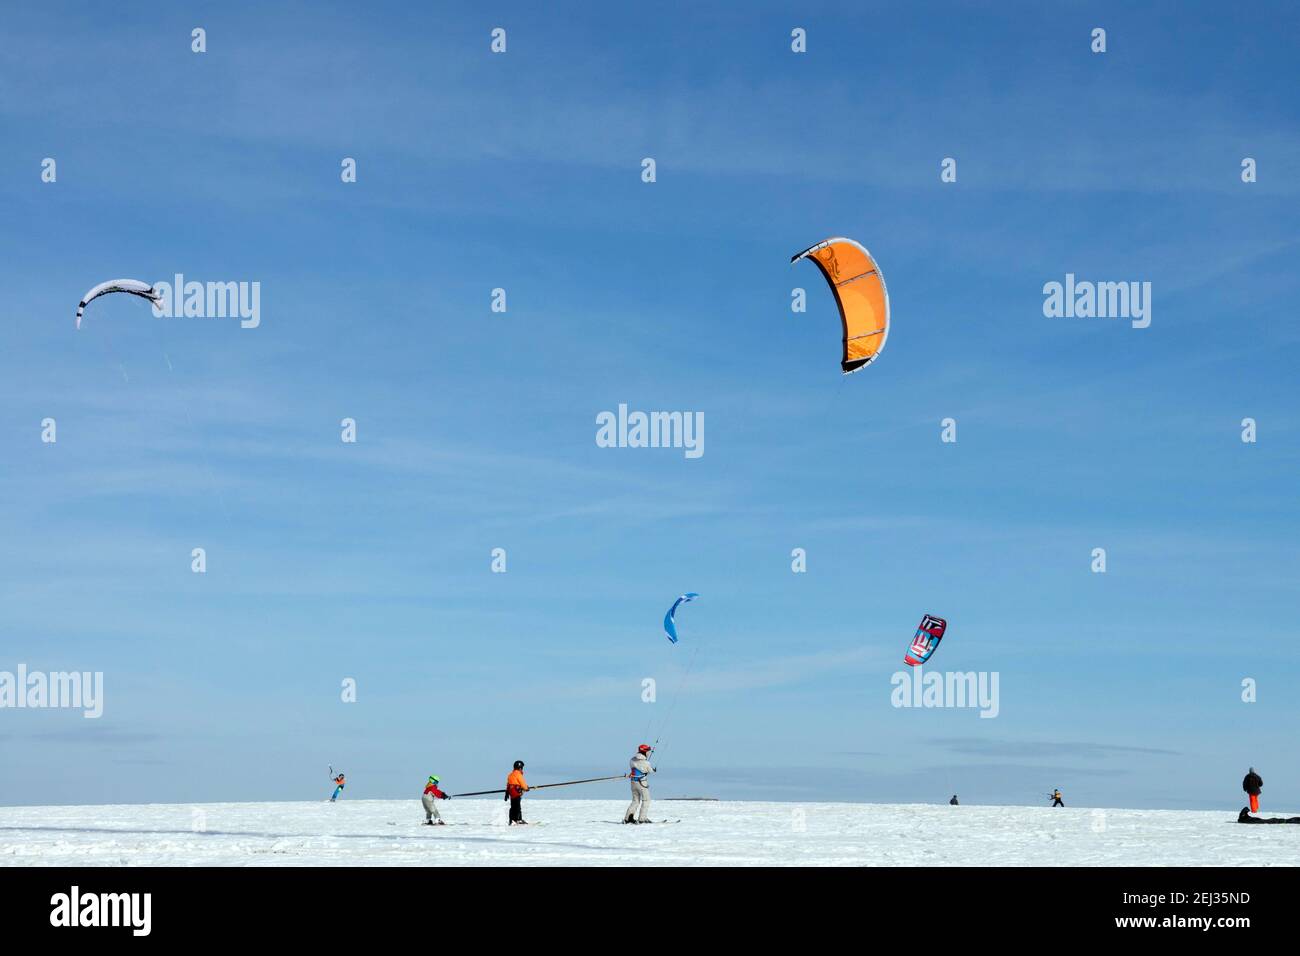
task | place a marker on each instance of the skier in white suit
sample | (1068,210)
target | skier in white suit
(639,811)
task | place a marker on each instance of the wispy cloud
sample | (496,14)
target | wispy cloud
(89,735)
(752,675)
(976,746)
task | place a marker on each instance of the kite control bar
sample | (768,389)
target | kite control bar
(542,786)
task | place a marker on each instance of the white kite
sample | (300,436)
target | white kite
(132,286)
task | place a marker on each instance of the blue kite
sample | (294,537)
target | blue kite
(670,619)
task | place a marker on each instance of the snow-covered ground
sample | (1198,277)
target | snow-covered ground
(585,833)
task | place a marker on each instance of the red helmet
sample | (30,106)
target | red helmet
(643,749)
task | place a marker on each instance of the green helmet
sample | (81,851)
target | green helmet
(433,779)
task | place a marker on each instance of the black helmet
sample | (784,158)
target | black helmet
(519,765)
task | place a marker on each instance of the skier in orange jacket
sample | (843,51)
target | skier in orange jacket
(516,786)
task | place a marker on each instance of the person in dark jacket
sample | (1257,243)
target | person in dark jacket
(953,801)
(1056,799)
(1253,784)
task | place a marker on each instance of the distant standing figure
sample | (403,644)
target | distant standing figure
(1056,799)
(953,802)
(432,794)
(639,766)
(516,787)
(339,783)
(1253,784)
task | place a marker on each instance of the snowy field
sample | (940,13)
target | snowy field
(584,833)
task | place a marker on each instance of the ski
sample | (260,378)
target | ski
(643,823)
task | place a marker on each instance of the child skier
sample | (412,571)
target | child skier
(431,794)
(516,787)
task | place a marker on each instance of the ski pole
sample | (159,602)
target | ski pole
(543,786)
(569,783)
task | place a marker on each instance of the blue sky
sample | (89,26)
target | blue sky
(477,430)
